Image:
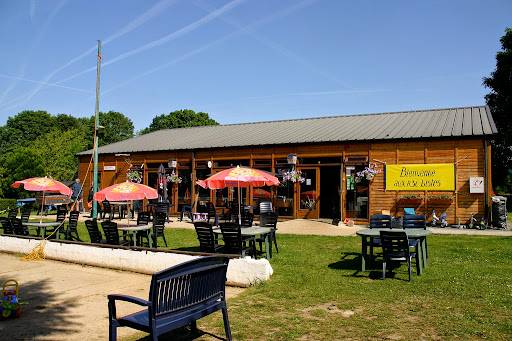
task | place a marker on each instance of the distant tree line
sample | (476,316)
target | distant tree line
(38,144)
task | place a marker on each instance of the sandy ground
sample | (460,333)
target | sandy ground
(68,301)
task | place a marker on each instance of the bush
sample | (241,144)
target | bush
(4,203)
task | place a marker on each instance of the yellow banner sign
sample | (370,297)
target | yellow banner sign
(421,177)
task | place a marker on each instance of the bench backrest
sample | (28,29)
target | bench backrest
(189,284)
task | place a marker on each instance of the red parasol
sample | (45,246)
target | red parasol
(260,193)
(126,191)
(239,177)
(308,194)
(45,185)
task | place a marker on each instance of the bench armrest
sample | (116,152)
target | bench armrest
(130,299)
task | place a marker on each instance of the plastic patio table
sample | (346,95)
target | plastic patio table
(419,234)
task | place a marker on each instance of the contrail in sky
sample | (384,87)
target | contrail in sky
(149,14)
(279,48)
(41,32)
(165,39)
(187,55)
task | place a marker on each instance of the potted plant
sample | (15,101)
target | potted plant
(411,199)
(440,199)
(368,172)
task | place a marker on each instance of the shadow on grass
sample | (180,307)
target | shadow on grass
(45,314)
(184,334)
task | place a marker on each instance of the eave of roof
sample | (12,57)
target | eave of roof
(437,123)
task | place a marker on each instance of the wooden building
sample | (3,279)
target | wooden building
(433,159)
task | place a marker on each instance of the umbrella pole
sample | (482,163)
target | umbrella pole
(41,212)
(239,209)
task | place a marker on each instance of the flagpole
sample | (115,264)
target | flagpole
(96,128)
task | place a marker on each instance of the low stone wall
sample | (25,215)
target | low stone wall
(241,271)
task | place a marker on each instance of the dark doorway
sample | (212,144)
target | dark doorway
(329,192)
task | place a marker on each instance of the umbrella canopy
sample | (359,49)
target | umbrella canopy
(161,183)
(260,193)
(43,184)
(126,191)
(239,177)
(308,194)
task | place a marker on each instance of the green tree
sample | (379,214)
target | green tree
(57,153)
(20,164)
(500,103)
(179,119)
(24,128)
(117,128)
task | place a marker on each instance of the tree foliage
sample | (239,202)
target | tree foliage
(35,143)
(20,164)
(179,119)
(500,103)
(60,163)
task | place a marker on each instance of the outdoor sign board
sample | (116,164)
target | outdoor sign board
(421,177)
(109,168)
(476,184)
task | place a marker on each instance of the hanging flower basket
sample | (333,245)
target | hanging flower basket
(134,176)
(174,178)
(293,176)
(368,172)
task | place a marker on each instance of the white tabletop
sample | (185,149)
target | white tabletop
(134,227)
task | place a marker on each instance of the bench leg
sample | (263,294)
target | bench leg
(112,333)
(227,328)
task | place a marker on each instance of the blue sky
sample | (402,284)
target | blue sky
(247,61)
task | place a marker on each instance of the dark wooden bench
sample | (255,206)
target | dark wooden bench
(178,296)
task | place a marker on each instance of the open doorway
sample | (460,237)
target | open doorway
(330,192)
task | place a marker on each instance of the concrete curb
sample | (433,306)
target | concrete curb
(241,271)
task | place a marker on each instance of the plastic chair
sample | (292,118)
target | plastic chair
(72,226)
(94,232)
(269,219)
(265,206)
(378,221)
(206,237)
(158,228)
(233,241)
(415,221)
(187,209)
(395,247)
(6,225)
(106,210)
(112,234)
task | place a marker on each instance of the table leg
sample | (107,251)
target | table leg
(363,252)
(267,251)
(420,257)
(423,242)
(43,232)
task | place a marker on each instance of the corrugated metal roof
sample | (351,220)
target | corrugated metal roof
(455,122)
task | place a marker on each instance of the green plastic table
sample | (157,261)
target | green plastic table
(419,234)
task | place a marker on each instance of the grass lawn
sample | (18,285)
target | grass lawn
(318,293)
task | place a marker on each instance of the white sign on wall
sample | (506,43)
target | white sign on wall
(109,168)
(476,185)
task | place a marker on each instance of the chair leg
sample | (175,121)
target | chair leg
(384,269)
(409,268)
(275,241)
(165,241)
